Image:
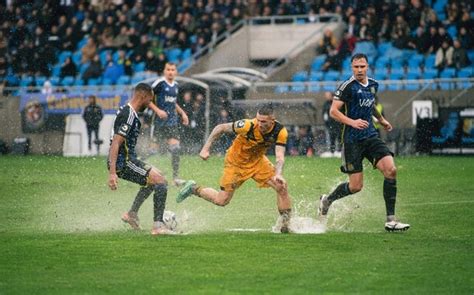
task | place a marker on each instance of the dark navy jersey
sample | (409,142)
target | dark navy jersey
(166,96)
(128,125)
(358,104)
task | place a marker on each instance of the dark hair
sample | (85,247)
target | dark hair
(266,109)
(359,56)
(171,63)
(143,87)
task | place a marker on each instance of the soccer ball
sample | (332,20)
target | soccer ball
(169,218)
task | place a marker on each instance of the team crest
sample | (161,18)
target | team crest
(240,124)
(372,90)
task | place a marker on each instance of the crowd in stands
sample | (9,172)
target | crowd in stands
(413,39)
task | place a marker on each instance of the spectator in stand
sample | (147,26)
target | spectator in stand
(69,40)
(223,143)
(303,142)
(88,51)
(352,26)
(47,88)
(466,40)
(122,40)
(327,43)
(94,70)
(400,33)
(125,61)
(460,58)
(433,41)
(444,36)
(68,68)
(444,56)
(336,56)
(151,63)
(419,42)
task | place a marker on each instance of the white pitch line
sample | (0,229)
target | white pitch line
(438,203)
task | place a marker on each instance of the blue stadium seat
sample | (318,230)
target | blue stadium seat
(430,61)
(187,53)
(83,67)
(452,31)
(470,54)
(82,43)
(107,81)
(301,76)
(185,64)
(412,86)
(63,55)
(382,62)
(415,60)
(317,63)
(282,89)
(448,73)
(78,82)
(397,64)
(136,80)
(413,75)
(331,76)
(316,76)
(396,75)
(346,64)
(315,87)
(139,67)
(367,48)
(40,80)
(383,47)
(94,82)
(26,80)
(77,57)
(54,81)
(56,70)
(123,80)
(380,76)
(173,55)
(67,81)
(298,88)
(466,72)
(346,74)
(430,73)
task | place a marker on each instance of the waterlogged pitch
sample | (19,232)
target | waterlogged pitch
(61,232)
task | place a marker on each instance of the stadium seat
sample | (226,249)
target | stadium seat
(78,82)
(282,89)
(430,73)
(187,53)
(82,43)
(63,55)
(314,87)
(77,57)
(452,31)
(382,62)
(103,56)
(380,76)
(413,75)
(123,80)
(346,64)
(26,81)
(185,64)
(40,80)
(316,76)
(94,82)
(331,76)
(67,81)
(173,55)
(299,87)
(139,67)
(470,55)
(54,81)
(415,60)
(107,81)
(317,63)
(430,61)
(383,47)
(367,48)
(448,73)
(56,70)
(301,76)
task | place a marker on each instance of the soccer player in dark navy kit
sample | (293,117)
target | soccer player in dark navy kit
(360,140)
(167,122)
(123,163)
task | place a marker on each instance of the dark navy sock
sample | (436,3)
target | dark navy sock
(159,201)
(390,195)
(142,195)
(340,192)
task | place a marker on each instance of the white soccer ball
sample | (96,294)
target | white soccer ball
(169,218)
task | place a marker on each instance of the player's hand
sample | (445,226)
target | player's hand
(185,119)
(162,114)
(386,125)
(113,181)
(360,124)
(278,179)
(204,154)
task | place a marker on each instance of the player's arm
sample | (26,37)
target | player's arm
(337,115)
(215,134)
(117,140)
(183,115)
(381,119)
(280,148)
(162,114)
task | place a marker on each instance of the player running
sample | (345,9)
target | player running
(123,163)
(166,127)
(360,140)
(246,159)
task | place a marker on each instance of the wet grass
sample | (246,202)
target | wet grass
(60,232)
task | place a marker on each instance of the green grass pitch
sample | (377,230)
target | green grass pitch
(60,232)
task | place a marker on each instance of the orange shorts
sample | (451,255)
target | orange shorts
(234,176)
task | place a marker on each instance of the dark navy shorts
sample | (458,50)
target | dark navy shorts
(373,149)
(135,171)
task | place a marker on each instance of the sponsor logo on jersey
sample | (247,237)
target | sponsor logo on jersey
(368,102)
(169,98)
(240,124)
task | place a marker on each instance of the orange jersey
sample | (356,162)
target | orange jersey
(251,145)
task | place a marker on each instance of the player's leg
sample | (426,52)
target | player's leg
(158,182)
(352,165)
(175,150)
(283,203)
(387,166)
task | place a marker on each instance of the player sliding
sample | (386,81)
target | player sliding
(246,159)
(122,161)
(361,140)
